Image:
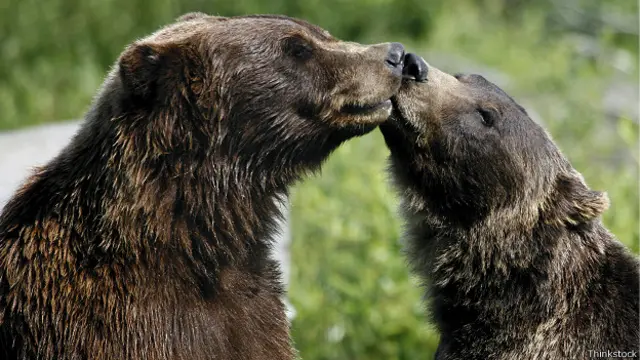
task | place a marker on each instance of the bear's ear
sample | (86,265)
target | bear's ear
(572,202)
(141,67)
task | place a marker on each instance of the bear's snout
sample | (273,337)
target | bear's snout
(395,57)
(415,67)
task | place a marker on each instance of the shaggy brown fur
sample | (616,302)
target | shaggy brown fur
(505,233)
(148,237)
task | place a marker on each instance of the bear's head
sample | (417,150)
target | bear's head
(269,95)
(464,150)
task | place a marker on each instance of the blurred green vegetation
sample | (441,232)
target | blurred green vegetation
(350,286)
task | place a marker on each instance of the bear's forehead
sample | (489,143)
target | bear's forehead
(209,25)
(281,19)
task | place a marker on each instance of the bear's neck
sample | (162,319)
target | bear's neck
(485,273)
(214,216)
(133,206)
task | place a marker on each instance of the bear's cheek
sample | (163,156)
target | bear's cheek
(496,172)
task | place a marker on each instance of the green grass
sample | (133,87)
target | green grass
(353,294)
(349,283)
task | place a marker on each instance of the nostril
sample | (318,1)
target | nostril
(415,67)
(395,56)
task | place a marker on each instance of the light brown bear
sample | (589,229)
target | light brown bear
(149,235)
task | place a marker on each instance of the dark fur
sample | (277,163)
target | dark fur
(505,233)
(148,236)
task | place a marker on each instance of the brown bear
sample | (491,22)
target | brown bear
(503,230)
(149,235)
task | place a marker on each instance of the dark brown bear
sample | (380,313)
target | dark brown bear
(505,233)
(148,237)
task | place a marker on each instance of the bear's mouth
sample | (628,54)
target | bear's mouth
(360,109)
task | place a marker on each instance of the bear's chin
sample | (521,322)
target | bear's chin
(399,135)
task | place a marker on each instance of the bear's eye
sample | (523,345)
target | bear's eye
(487,117)
(298,47)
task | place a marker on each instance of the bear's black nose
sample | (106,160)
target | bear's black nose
(395,56)
(415,67)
